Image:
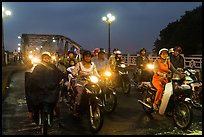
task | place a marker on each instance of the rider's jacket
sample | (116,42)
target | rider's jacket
(81,70)
(45,80)
(101,65)
(142,61)
(178,62)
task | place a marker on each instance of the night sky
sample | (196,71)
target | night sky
(137,24)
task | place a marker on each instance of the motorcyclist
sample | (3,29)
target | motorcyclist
(176,59)
(95,52)
(115,62)
(163,67)
(101,61)
(112,59)
(82,68)
(44,84)
(142,61)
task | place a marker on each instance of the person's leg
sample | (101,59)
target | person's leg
(158,85)
(79,90)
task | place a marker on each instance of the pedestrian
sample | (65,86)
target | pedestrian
(15,56)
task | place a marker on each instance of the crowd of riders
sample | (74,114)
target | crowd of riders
(95,62)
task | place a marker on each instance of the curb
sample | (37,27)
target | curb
(8,77)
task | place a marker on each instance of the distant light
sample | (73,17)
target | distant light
(53,40)
(109,15)
(8,12)
(104,18)
(109,18)
(41,46)
(19,37)
(3,9)
(19,44)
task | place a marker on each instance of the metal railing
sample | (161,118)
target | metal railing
(189,61)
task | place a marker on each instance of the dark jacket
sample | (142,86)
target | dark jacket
(178,62)
(142,62)
(45,84)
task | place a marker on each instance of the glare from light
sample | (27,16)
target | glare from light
(104,18)
(8,12)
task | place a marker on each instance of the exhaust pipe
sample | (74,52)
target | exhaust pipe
(143,103)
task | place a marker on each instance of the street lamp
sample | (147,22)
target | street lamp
(5,13)
(108,19)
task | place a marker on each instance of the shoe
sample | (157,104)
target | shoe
(155,107)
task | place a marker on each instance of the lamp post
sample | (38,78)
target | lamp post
(108,19)
(5,13)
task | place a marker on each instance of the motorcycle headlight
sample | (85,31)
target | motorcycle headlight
(30,56)
(150,66)
(54,58)
(94,79)
(35,60)
(122,66)
(108,73)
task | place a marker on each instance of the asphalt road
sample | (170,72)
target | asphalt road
(129,117)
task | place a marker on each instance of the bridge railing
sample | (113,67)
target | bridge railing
(189,61)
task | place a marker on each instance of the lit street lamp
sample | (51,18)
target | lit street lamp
(108,19)
(5,13)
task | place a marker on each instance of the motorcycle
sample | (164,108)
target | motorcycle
(192,80)
(43,112)
(108,95)
(122,80)
(142,75)
(90,103)
(175,101)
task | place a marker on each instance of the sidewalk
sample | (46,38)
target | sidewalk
(7,72)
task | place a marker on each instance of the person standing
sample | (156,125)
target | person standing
(15,56)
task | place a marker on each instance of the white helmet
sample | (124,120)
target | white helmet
(46,53)
(118,52)
(163,49)
(171,50)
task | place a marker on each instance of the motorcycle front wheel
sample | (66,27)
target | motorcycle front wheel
(44,124)
(183,115)
(95,118)
(126,85)
(110,101)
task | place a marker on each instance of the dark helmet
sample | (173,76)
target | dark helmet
(102,51)
(178,48)
(70,51)
(87,52)
(142,49)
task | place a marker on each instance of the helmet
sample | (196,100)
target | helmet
(96,50)
(102,51)
(178,48)
(171,50)
(46,53)
(86,52)
(118,52)
(163,49)
(114,50)
(70,52)
(142,49)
